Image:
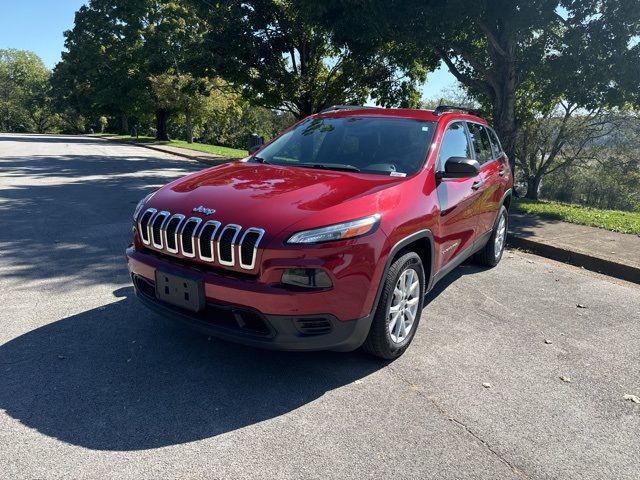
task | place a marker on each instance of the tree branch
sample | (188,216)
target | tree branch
(461,77)
(491,37)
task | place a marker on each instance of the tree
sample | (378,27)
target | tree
(607,173)
(509,54)
(278,54)
(560,139)
(100,72)
(25,100)
(115,50)
(182,93)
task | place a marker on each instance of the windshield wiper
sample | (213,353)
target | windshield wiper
(260,160)
(329,166)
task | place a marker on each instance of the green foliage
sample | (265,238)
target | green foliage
(278,54)
(517,58)
(25,99)
(611,177)
(612,186)
(115,50)
(618,221)
(104,122)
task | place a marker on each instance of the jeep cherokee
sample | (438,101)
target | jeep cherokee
(329,236)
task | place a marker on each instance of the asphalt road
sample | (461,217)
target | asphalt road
(92,385)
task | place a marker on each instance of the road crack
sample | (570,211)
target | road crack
(459,423)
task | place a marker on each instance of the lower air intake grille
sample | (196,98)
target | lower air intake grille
(313,326)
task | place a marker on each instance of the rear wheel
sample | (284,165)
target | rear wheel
(492,252)
(398,314)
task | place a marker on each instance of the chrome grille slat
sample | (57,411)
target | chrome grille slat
(208,241)
(184,240)
(250,263)
(158,224)
(146,220)
(171,236)
(232,227)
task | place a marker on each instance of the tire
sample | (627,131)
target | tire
(383,341)
(491,254)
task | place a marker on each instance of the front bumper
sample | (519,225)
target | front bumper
(248,311)
(250,327)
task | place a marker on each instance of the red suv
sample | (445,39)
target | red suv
(329,236)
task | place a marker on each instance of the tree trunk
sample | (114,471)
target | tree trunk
(504,110)
(189,125)
(124,123)
(161,124)
(533,187)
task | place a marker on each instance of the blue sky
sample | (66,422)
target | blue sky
(38,25)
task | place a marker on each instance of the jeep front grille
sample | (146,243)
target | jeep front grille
(208,241)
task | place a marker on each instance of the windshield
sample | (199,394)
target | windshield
(386,146)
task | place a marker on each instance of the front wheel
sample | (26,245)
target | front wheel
(492,252)
(398,313)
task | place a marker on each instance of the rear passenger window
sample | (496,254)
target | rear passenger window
(454,144)
(481,143)
(495,143)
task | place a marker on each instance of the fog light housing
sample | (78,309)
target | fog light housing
(306,278)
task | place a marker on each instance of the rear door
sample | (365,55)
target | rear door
(459,198)
(490,186)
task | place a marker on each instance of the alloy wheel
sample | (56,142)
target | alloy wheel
(404,305)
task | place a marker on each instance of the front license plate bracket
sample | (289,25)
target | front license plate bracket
(180,291)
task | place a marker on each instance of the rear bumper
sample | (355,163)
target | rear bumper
(250,327)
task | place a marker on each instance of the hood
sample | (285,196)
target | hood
(273,197)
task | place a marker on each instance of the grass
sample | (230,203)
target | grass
(198,147)
(614,220)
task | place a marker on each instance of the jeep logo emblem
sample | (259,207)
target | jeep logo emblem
(203,210)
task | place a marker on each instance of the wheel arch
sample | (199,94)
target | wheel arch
(506,199)
(420,242)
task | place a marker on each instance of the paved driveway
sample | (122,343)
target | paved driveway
(92,385)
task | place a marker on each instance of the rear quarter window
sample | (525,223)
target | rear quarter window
(495,143)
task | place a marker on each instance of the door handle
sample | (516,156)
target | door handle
(477,185)
(501,172)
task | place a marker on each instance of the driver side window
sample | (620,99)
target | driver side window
(455,143)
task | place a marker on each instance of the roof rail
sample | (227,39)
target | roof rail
(440,109)
(334,108)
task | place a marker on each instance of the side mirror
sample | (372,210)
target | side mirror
(459,167)
(254,149)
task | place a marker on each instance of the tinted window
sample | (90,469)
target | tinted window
(454,144)
(481,143)
(495,143)
(370,144)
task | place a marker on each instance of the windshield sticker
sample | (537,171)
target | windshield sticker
(425,129)
(397,174)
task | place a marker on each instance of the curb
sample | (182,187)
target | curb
(198,158)
(588,262)
(205,160)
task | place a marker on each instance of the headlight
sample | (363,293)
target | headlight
(341,231)
(140,205)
